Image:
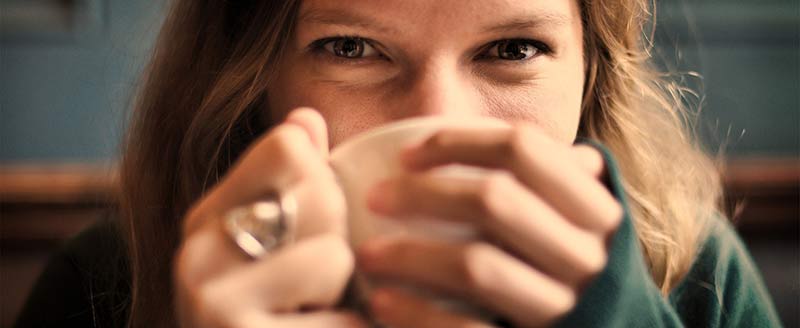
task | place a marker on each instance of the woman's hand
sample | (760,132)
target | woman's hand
(544,212)
(294,286)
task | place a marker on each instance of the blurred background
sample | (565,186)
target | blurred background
(69,69)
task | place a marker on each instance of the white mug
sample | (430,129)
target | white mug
(366,159)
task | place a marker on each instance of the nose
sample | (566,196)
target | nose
(439,89)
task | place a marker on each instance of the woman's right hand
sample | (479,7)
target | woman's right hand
(217,285)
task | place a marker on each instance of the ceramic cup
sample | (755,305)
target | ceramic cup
(364,160)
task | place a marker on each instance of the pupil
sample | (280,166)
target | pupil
(513,50)
(348,48)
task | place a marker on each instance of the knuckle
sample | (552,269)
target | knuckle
(475,266)
(494,188)
(586,152)
(189,221)
(612,217)
(617,212)
(287,143)
(565,300)
(596,157)
(190,264)
(192,219)
(180,268)
(523,138)
(595,260)
(440,139)
(183,264)
(335,252)
(285,147)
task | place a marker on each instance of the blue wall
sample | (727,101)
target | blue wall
(65,98)
(747,53)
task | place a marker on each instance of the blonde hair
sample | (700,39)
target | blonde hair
(204,92)
(640,115)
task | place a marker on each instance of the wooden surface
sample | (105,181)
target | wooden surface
(42,206)
(57,184)
(763,196)
(51,203)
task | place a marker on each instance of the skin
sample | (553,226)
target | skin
(545,212)
(427,64)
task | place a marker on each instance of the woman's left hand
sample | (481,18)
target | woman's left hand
(544,211)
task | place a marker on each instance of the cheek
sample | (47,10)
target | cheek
(552,104)
(347,118)
(346,112)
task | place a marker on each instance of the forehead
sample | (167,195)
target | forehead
(431,16)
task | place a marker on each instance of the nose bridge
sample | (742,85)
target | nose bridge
(438,88)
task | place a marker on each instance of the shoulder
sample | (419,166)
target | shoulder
(86,283)
(725,280)
(721,251)
(99,246)
(722,258)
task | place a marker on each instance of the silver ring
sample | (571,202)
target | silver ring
(262,226)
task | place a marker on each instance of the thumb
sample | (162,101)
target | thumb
(325,207)
(313,123)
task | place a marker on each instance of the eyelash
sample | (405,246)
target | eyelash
(540,48)
(318,47)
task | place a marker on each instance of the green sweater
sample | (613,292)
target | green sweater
(87,284)
(722,289)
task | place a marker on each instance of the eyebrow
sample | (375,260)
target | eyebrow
(340,17)
(344,18)
(529,22)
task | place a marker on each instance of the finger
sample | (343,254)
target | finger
(286,281)
(274,162)
(398,309)
(285,161)
(323,319)
(537,161)
(205,254)
(310,120)
(319,319)
(278,161)
(506,211)
(590,159)
(412,194)
(458,145)
(477,271)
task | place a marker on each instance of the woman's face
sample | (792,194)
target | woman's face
(369,62)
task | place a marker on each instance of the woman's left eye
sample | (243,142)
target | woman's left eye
(346,47)
(515,49)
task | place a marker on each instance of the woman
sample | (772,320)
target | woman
(216,127)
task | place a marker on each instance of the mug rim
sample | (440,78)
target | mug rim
(425,121)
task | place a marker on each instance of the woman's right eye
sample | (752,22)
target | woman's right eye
(347,47)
